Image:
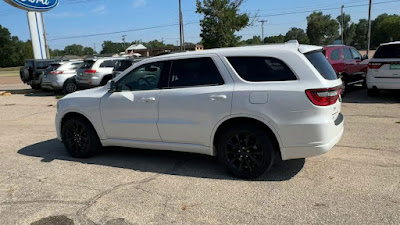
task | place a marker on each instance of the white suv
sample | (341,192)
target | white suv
(246,105)
(384,69)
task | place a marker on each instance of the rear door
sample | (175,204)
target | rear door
(199,95)
(388,58)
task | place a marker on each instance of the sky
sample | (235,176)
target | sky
(85,17)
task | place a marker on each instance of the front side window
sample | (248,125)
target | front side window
(347,54)
(145,77)
(356,54)
(335,54)
(261,69)
(194,72)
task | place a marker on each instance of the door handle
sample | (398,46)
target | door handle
(217,97)
(150,99)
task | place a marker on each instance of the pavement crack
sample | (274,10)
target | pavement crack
(367,148)
(41,201)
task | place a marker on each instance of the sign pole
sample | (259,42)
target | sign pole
(37,35)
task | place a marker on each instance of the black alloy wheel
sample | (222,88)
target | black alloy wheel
(246,150)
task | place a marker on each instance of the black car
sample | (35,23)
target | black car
(33,70)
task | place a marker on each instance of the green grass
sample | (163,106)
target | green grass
(398,122)
(9,71)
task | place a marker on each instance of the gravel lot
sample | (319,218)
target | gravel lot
(358,182)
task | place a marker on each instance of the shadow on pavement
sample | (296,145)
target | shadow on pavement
(182,164)
(358,94)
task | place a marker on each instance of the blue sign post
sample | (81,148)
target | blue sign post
(36,22)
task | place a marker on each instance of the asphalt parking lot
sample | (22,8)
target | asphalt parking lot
(358,182)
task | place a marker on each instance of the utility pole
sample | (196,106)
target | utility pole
(341,27)
(262,29)
(369,27)
(181,32)
(45,38)
(94,45)
(123,41)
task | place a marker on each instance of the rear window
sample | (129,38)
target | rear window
(322,65)
(260,69)
(108,64)
(42,65)
(388,51)
(87,64)
(123,65)
(52,67)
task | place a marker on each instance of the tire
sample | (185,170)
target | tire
(24,74)
(36,86)
(69,86)
(374,92)
(246,150)
(80,138)
(364,83)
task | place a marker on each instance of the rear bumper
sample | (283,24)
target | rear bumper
(87,82)
(331,134)
(383,83)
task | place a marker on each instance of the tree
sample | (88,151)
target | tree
(56,52)
(385,29)
(297,34)
(73,49)
(321,29)
(88,51)
(275,39)
(360,34)
(348,28)
(13,52)
(154,44)
(255,40)
(220,22)
(113,47)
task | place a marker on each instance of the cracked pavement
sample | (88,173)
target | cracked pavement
(357,182)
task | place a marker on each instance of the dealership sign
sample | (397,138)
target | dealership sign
(34,5)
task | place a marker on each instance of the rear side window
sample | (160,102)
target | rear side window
(322,65)
(347,54)
(108,63)
(260,69)
(194,72)
(335,54)
(87,64)
(388,51)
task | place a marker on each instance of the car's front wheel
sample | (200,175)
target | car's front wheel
(246,150)
(80,138)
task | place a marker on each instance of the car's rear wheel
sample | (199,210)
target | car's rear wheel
(69,86)
(79,138)
(246,150)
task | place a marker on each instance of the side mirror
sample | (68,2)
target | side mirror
(365,57)
(113,87)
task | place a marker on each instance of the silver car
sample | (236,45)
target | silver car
(96,71)
(63,78)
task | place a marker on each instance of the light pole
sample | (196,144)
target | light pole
(341,27)
(369,27)
(181,31)
(262,29)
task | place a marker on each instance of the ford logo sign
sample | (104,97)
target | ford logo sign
(33,5)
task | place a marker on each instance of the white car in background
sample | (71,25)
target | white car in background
(246,105)
(62,78)
(384,69)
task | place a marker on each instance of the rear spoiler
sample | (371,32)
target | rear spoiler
(304,48)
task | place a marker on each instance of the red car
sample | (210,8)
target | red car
(348,63)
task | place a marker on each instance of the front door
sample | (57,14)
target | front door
(131,112)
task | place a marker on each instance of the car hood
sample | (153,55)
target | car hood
(90,93)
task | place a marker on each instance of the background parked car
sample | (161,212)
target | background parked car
(96,71)
(122,65)
(384,68)
(32,72)
(62,78)
(348,63)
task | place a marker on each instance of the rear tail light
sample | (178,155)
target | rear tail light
(324,97)
(374,65)
(55,72)
(90,71)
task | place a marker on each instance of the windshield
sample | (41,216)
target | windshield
(322,65)
(388,51)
